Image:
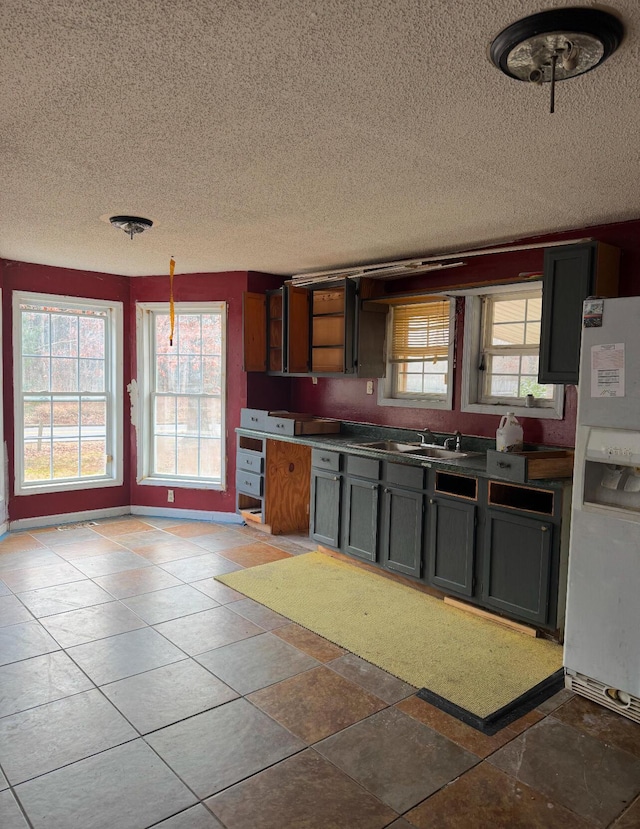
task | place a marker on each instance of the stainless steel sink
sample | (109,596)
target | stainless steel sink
(432,451)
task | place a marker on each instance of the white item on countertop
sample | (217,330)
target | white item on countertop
(509,434)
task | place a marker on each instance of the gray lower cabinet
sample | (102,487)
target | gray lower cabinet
(326,498)
(401,535)
(451,545)
(516,567)
(360,526)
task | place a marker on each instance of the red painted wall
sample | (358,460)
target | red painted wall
(23,276)
(347,398)
(218,287)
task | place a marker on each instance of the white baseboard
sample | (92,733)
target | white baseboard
(195,514)
(114,512)
(67,518)
(4,528)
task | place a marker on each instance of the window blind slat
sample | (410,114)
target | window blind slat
(420,332)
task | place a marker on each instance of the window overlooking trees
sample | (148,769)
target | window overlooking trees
(67,392)
(181,437)
(501,353)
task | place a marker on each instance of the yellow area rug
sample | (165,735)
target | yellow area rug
(477,665)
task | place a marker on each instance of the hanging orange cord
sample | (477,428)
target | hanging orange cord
(172,313)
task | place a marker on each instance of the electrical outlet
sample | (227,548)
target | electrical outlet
(170,496)
(369,386)
(314,381)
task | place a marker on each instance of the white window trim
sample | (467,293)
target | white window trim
(471,358)
(141,406)
(444,401)
(115,358)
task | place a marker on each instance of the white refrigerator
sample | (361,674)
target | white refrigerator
(602,632)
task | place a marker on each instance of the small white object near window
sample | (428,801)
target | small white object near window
(181,430)
(501,354)
(68,393)
(419,356)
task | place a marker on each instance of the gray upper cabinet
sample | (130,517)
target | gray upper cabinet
(571,274)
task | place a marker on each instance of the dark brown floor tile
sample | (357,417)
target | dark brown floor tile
(453,728)
(600,722)
(303,791)
(383,752)
(555,701)
(373,679)
(317,703)
(321,649)
(401,823)
(486,797)
(578,771)
(631,818)
(251,555)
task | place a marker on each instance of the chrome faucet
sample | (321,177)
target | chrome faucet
(454,440)
(427,434)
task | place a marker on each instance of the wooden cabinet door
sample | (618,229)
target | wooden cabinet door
(324,519)
(451,545)
(516,565)
(401,539)
(298,318)
(567,281)
(254,332)
(361,519)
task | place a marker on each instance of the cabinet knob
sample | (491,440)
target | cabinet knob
(249,463)
(432,500)
(335,478)
(504,465)
(544,529)
(325,460)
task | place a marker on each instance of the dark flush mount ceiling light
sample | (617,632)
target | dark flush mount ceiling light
(131,224)
(557,44)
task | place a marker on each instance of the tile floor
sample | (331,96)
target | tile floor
(136,691)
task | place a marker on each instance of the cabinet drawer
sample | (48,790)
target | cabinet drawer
(363,467)
(250,461)
(280,425)
(252,418)
(249,483)
(506,465)
(411,477)
(326,460)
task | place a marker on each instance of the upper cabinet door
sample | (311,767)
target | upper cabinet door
(298,330)
(571,274)
(254,327)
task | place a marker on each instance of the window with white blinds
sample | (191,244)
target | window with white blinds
(419,354)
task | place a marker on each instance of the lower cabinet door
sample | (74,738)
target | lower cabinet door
(360,526)
(516,566)
(451,545)
(401,541)
(324,518)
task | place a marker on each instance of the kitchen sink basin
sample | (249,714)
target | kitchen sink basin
(430,450)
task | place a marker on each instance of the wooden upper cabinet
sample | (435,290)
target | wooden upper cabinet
(323,329)
(571,274)
(298,329)
(254,332)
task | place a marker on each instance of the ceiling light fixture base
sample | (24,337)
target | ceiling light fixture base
(556,45)
(131,225)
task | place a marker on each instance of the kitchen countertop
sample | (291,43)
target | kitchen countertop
(352,434)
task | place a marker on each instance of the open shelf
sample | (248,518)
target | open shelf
(521,498)
(328,330)
(461,486)
(275,355)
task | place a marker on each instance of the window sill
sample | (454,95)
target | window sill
(538,412)
(74,486)
(182,483)
(414,402)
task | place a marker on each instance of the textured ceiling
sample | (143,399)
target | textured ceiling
(287,135)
